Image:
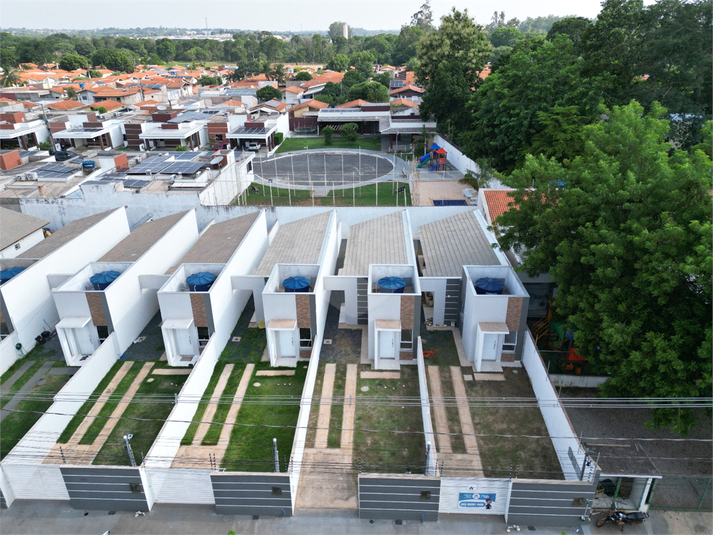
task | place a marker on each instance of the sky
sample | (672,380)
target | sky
(270,15)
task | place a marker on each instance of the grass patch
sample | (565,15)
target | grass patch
(361,196)
(84,409)
(187,439)
(500,457)
(299,143)
(223,408)
(454,426)
(334,439)
(18,423)
(7,396)
(275,403)
(111,404)
(153,404)
(389,451)
(314,412)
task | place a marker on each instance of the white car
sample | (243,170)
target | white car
(252,145)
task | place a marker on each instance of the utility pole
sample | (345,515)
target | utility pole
(128,437)
(275,454)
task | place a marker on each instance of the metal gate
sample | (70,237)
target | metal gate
(452,309)
(362,301)
(682,493)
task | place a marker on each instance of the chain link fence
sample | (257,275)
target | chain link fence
(683,493)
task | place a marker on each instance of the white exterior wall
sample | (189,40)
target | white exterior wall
(231,182)
(436,286)
(428,432)
(349,286)
(480,308)
(28,296)
(558,425)
(283,123)
(328,264)
(131,308)
(456,158)
(116,135)
(382,307)
(24,244)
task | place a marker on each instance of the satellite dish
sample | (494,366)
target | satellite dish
(161,107)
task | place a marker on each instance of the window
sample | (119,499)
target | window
(406,340)
(305,338)
(510,341)
(203,336)
(102,332)
(17,246)
(219,137)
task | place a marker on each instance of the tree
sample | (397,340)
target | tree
(327,132)
(101,109)
(537,76)
(369,91)
(406,44)
(350,132)
(455,53)
(625,232)
(352,78)
(10,77)
(384,79)
(339,63)
(336,29)
(303,76)
(72,62)
(572,27)
(71,93)
(268,93)
(91,73)
(210,80)
(166,49)
(363,63)
(505,36)
(423,18)
(116,60)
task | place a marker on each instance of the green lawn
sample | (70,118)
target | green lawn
(299,143)
(112,403)
(334,438)
(144,418)
(276,402)
(84,409)
(21,381)
(28,411)
(395,440)
(187,439)
(360,196)
(221,411)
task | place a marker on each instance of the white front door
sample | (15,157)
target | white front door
(490,346)
(184,343)
(286,344)
(387,346)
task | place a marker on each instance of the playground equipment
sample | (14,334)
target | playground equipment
(439,157)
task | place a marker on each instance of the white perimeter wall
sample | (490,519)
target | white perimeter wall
(328,263)
(456,158)
(28,296)
(428,433)
(556,419)
(26,475)
(130,306)
(231,182)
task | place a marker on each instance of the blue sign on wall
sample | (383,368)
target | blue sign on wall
(474,499)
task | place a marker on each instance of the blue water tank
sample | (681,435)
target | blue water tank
(391,285)
(88,164)
(200,282)
(101,280)
(7,274)
(296,284)
(489,286)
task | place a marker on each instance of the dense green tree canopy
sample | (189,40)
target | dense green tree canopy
(71,62)
(625,232)
(339,63)
(369,91)
(268,93)
(303,76)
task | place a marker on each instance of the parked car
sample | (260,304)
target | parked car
(253,146)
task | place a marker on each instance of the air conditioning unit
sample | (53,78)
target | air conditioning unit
(31,176)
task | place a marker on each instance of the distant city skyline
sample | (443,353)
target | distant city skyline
(269,15)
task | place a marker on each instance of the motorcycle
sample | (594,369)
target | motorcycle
(620,518)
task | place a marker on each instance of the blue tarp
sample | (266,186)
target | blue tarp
(7,274)
(489,286)
(296,284)
(103,279)
(200,282)
(394,285)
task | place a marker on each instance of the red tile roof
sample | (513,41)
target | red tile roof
(405,88)
(232,103)
(497,201)
(108,105)
(316,104)
(294,89)
(65,105)
(28,104)
(404,102)
(354,104)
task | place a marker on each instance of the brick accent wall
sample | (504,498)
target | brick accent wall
(199,314)
(10,160)
(407,311)
(507,357)
(304,312)
(132,135)
(406,355)
(512,319)
(94,300)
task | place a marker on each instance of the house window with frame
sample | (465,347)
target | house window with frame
(102,333)
(406,340)
(305,338)
(203,336)
(510,341)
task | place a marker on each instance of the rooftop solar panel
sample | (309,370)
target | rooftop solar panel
(55,169)
(187,168)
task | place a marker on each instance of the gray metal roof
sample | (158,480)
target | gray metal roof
(15,225)
(63,235)
(299,242)
(140,240)
(217,244)
(453,242)
(377,241)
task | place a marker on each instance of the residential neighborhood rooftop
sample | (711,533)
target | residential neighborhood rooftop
(377,241)
(15,225)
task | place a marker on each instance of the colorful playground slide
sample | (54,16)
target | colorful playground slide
(435,166)
(424,159)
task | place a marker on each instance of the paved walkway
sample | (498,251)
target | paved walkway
(75,453)
(443,439)
(29,385)
(212,405)
(7,385)
(232,417)
(349,412)
(466,420)
(325,406)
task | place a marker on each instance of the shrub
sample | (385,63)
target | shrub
(44,145)
(328,131)
(350,132)
(279,136)
(182,148)
(303,76)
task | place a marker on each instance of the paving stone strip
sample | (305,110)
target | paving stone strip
(172,371)
(348,415)
(439,411)
(274,373)
(489,376)
(466,420)
(325,406)
(97,407)
(224,439)
(380,375)
(29,385)
(212,404)
(63,371)
(7,385)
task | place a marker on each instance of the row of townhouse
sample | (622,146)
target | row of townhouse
(99,284)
